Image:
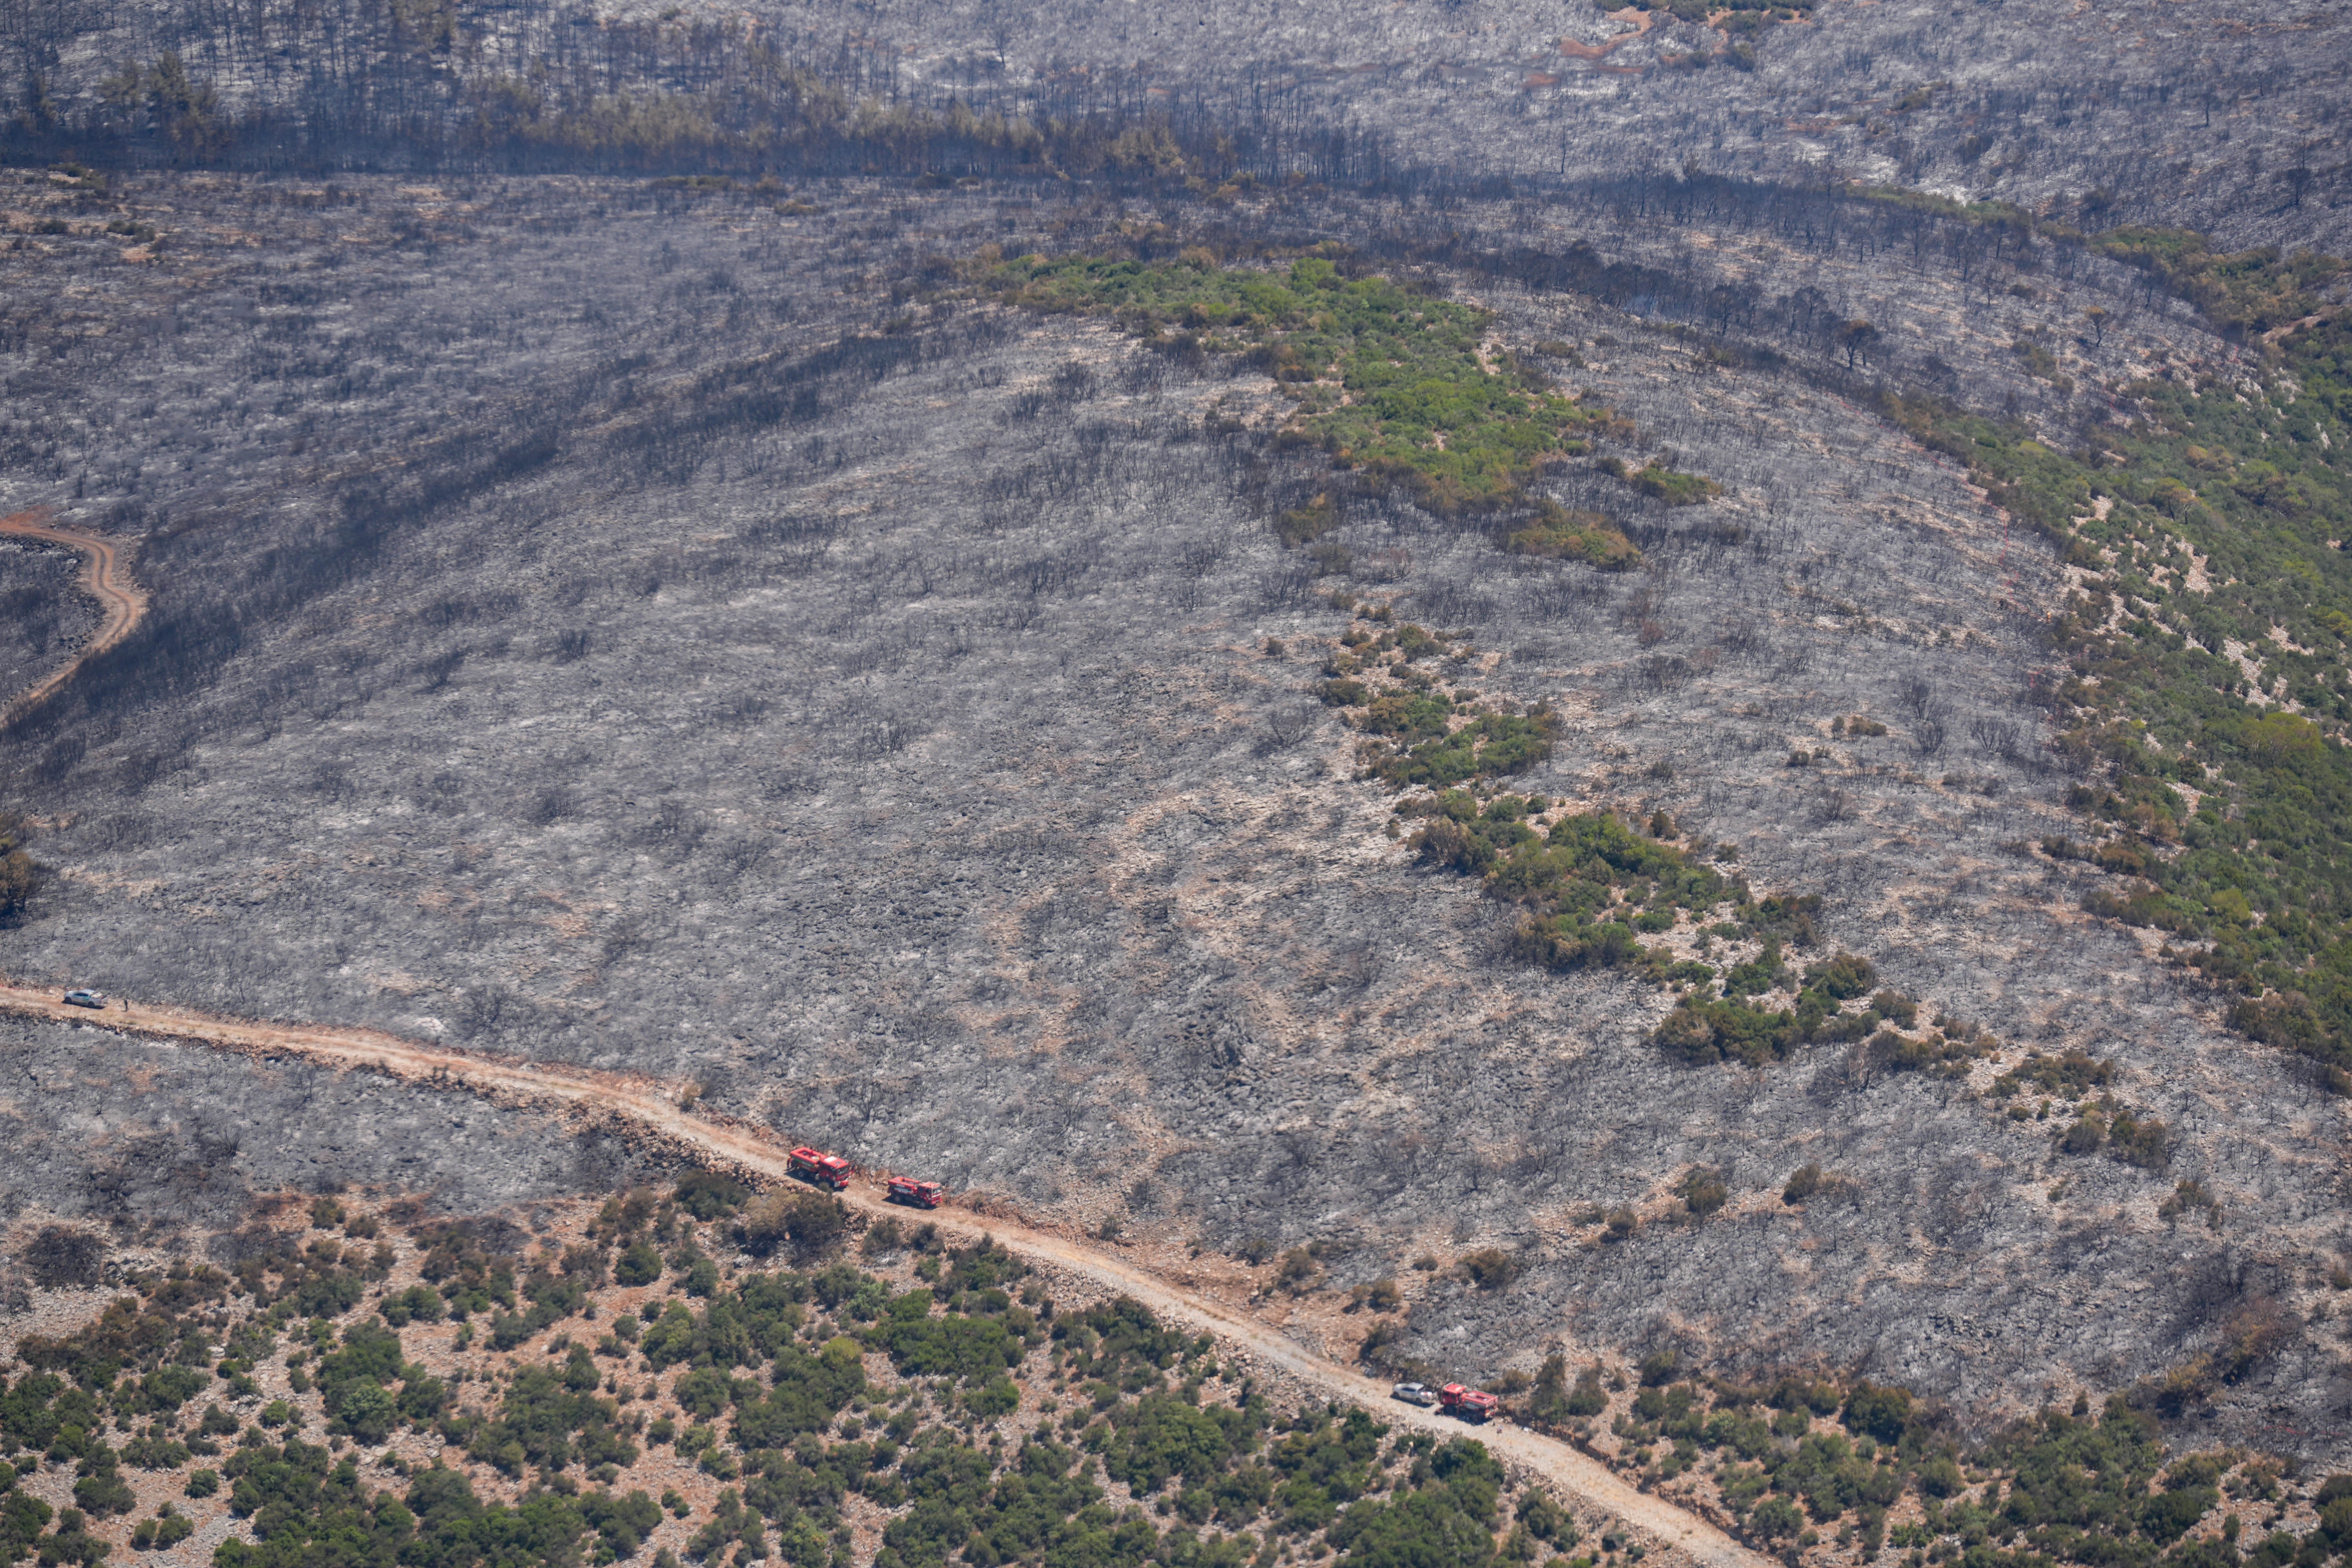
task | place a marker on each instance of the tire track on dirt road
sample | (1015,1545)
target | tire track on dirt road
(105,576)
(652,1108)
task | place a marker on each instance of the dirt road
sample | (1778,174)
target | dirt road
(653,1108)
(105,576)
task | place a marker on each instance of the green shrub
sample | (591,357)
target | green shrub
(20,878)
(1775,1519)
(1490,1268)
(418,1303)
(1703,1192)
(1674,489)
(709,1196)
(639,1264)
(366,1412)
(1803,1183)
(2086,1135)
(813,1224)
(1881,1413)
(1554,1400)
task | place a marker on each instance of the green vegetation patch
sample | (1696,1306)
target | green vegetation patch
(1803,1456)
(2208,684)
(776,1389)
(20,877)
(1592,888)
(2243,291)
(1560,534)
(2251,290)
(1416,732)
(1673,487)
(1735,1027)
(1404,386)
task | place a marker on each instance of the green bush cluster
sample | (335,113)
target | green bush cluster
(320,1277)
(2070,1075)
(306,1507)
(142,1358)
(1400,385)
(1802,1454)
(1416,732)
(1714,11)
(2133,1138)
(2229,816)
(20,877)
(1485,745)
(776,1403)
(1704,1028)
(473,1274)
(2250,291)
(1592,886)
(22,1516)
(1553,1401)
(1557,533)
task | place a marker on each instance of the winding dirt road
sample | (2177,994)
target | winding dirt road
(652,1108)
(105,576)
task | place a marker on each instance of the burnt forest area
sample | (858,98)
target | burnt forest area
(1643,707)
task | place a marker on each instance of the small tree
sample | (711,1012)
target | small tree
(366,1410)
(1857,338)
(19,878)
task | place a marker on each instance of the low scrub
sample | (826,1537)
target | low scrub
(791,1390)
(2209,722)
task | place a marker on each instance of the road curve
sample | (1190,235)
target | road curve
(653,1107)
(105,576)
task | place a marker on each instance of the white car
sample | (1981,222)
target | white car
(86,998)
(1414,1394)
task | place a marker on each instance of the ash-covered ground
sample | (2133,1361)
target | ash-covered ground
(691,637)
(2206,113)
(172,1143)
(42,619)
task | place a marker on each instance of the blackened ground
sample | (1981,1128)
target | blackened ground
(176,1141)
(42,619)
(618,631)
